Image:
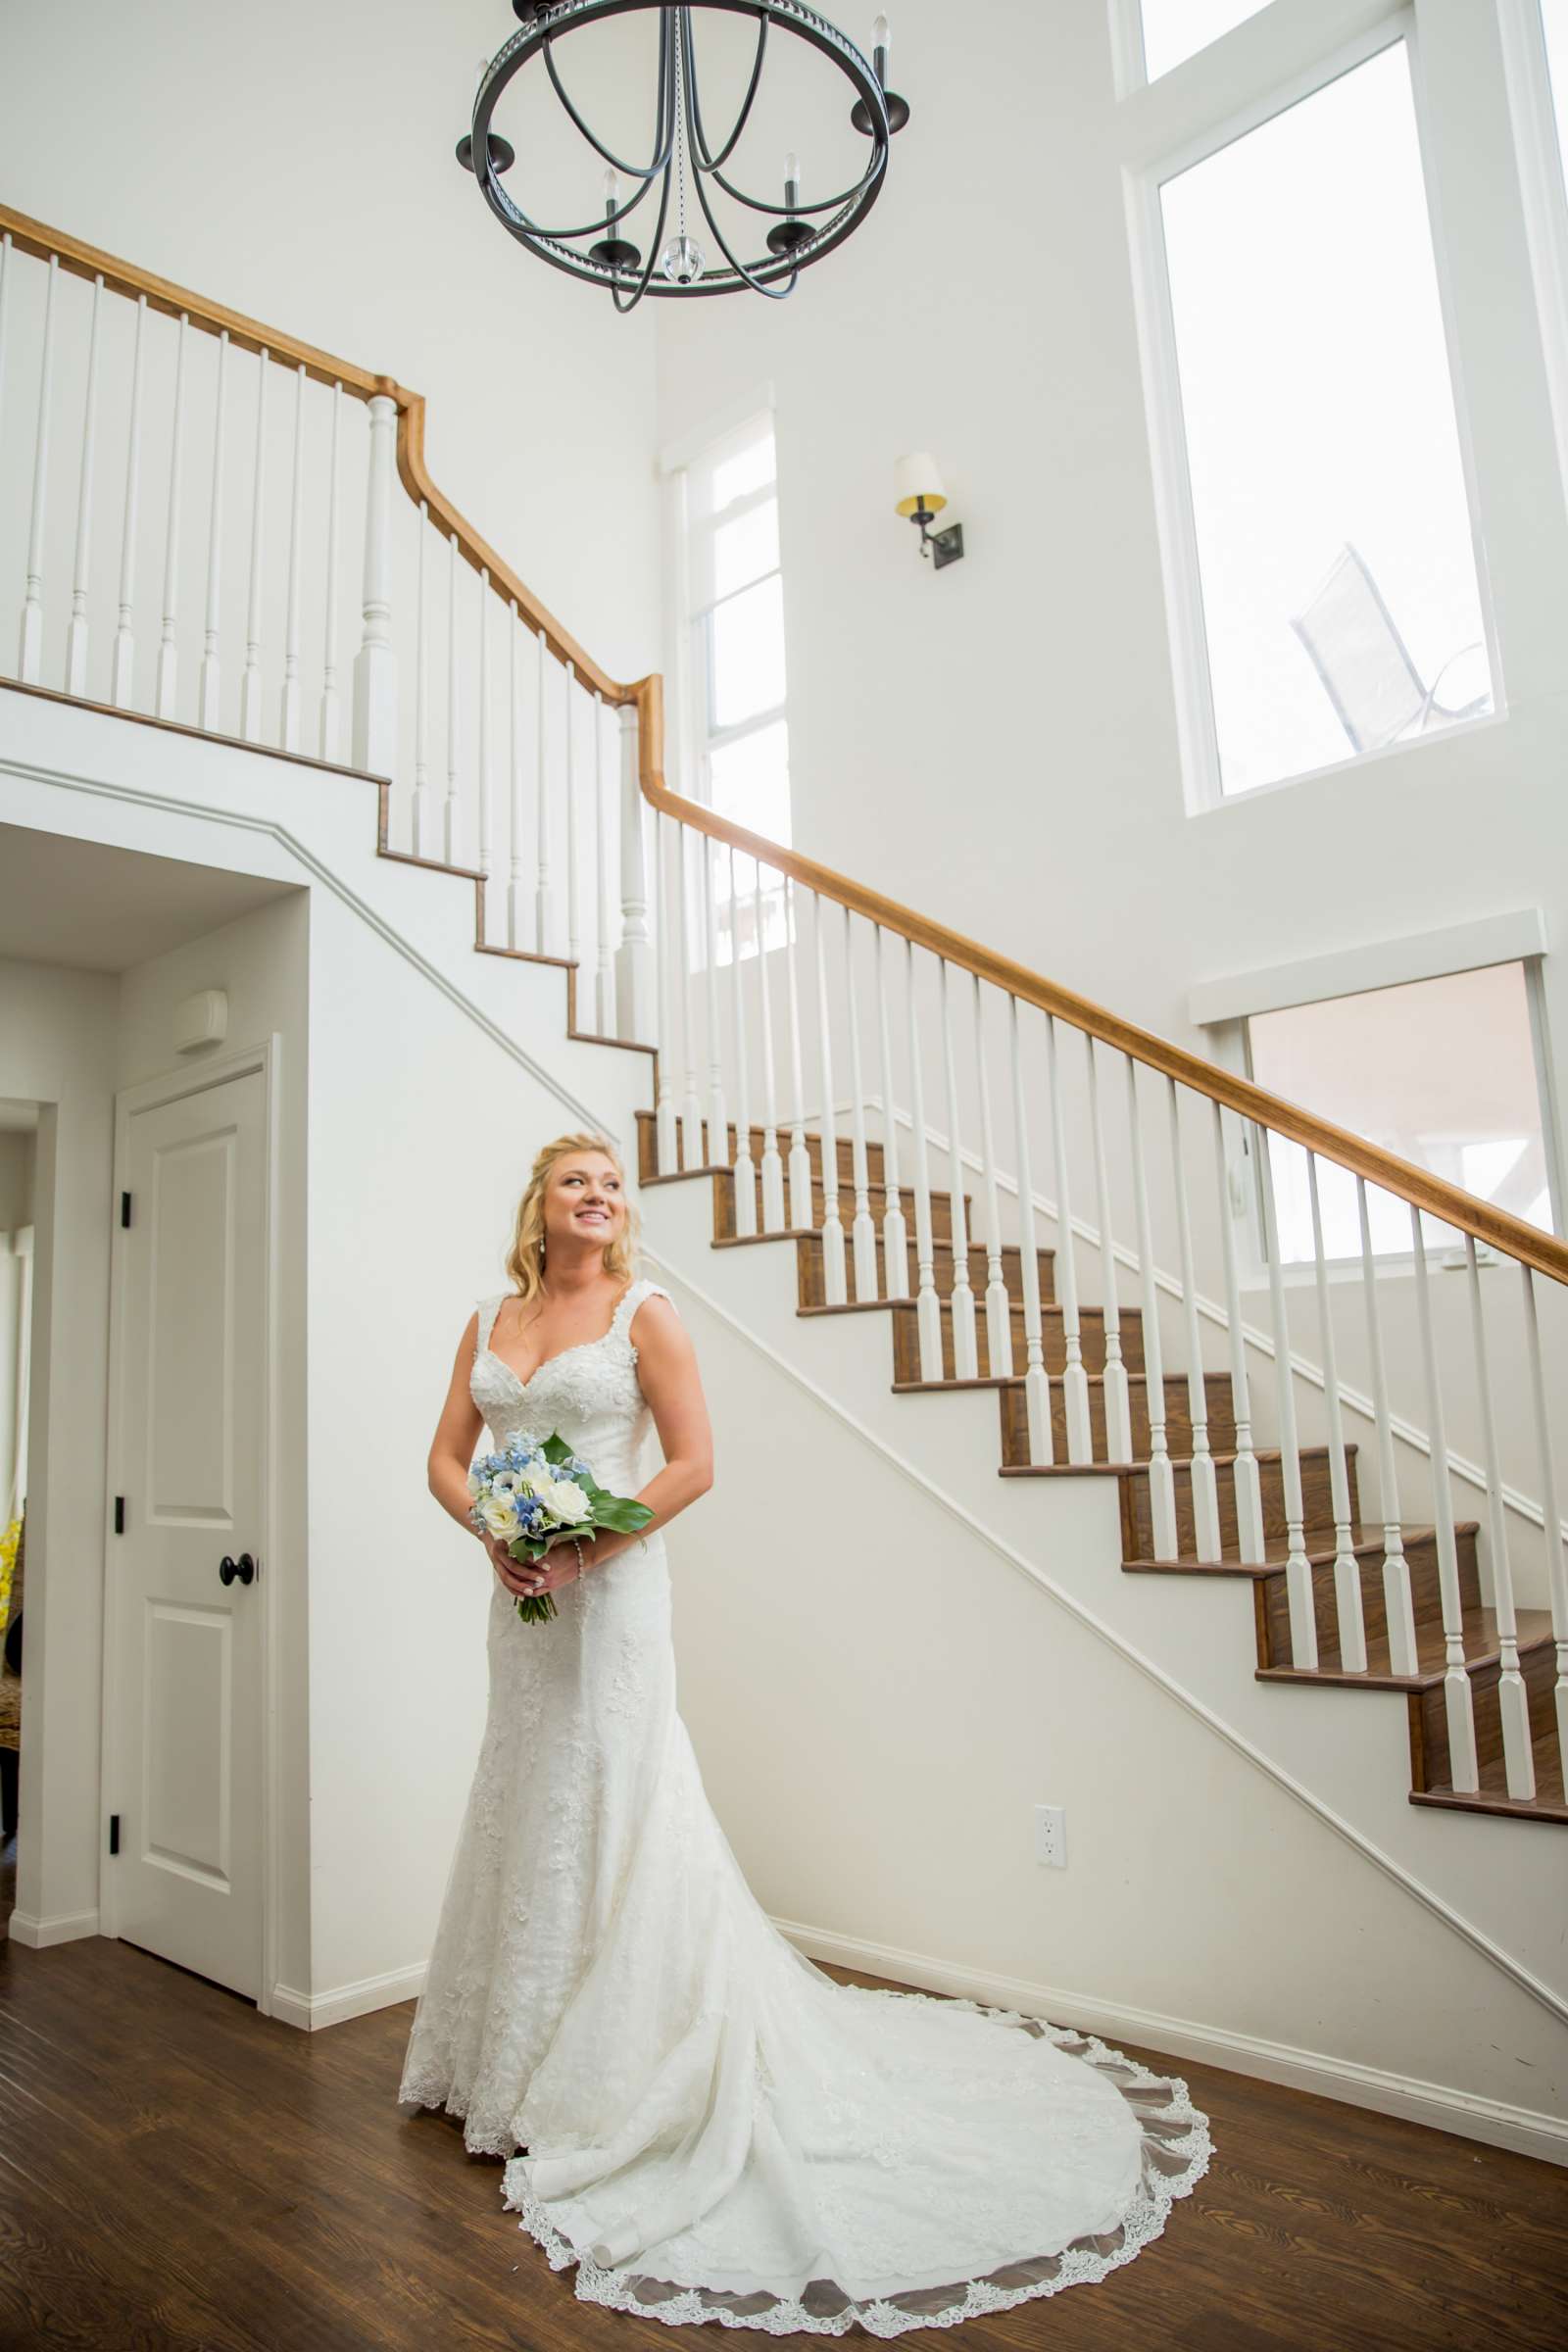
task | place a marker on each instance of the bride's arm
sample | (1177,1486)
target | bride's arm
(668,1371)
(452,1450)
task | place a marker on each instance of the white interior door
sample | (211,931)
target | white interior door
(186,1756)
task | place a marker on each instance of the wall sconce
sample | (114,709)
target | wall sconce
(922,498)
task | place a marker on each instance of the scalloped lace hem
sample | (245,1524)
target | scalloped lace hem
(1176,2149)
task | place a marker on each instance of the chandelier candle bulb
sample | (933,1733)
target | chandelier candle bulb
(881,48)
(792,180)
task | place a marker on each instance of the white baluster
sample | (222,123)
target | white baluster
(1552,1522)
(605,1015)
(743,1171)
(1161,1477)
(452,805)
(515,871)
(1074,1377)
(1247,1484)
(209,712)
(800,1217)
(76,636)
(834,1288)
(960,1299)
(250,692)
(666,1131)
(29,653)
(1398,1607)
(1346,1567)
(516,883)
(288,723)
(329,734)
(541,886)
(928,1314)
(574,930)
(1299,1579)
(1513,1700)
(691,1109)
(863,1233)
(998,1305)
(632,973)
(772,1165)
(895,1232)
(124,634)
(1117,1397)
(423,813)
(1041,1438)
(375,676)
(486,780)
(1459,1705)
(167,650)
(718,1109)
(1205,1489)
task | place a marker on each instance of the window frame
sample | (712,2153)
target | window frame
(689,636)
(1231,1036)
(1246,78)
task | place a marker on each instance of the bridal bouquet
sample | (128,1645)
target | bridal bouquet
(533,1492)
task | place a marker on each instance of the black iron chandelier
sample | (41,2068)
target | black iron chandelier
(688,251)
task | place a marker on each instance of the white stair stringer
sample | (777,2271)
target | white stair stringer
(1342,1753)
(94,775)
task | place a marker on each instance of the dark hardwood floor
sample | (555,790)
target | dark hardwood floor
(176,2172)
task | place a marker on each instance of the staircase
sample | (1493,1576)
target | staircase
(1468,1617)
(1431,1783)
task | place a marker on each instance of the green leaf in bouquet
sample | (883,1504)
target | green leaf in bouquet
(621,1515)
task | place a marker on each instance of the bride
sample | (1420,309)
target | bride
(706,2123)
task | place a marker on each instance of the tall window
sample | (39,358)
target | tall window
(732,660)
(1311,453)
(1443,1072)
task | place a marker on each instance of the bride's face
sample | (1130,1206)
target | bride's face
(583,1202)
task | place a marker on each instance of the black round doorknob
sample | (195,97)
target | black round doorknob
(244,1568)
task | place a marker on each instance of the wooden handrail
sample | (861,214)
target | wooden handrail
(1544,1252)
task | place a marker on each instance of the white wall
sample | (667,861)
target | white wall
(296,163)
(996,745)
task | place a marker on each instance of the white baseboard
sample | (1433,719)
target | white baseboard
(310,2012)
(66,1927)
(1523,2128)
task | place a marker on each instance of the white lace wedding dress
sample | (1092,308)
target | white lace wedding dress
(715,2129)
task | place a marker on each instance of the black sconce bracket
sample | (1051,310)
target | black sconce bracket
(943,547)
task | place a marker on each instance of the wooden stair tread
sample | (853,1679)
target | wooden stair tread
(1366,1541)
(1178,1462)
(1481,1648)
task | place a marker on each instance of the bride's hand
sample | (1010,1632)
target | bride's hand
(559,1565)
(515,1575)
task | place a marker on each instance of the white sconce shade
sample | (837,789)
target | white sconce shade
(919,482)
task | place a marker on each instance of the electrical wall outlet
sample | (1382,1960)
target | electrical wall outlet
(1051,1837)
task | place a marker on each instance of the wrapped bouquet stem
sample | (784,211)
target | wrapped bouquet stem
(537,1489)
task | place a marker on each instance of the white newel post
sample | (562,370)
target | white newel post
(633,968)
(375,682)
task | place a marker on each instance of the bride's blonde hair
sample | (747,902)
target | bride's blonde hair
(525,1259)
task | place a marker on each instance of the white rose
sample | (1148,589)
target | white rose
(568,1500)
(500,1517)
